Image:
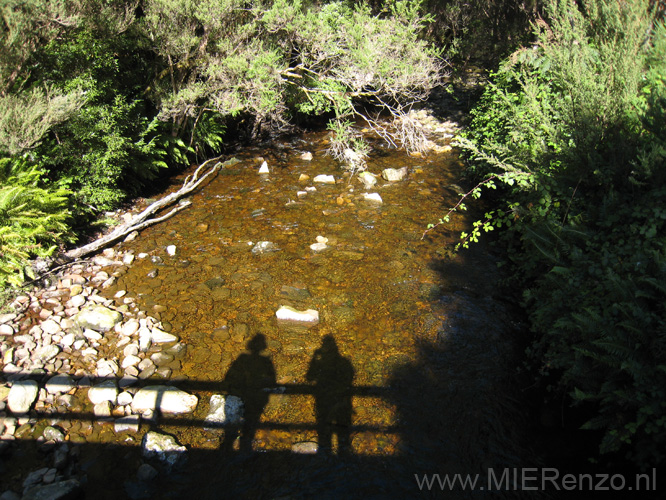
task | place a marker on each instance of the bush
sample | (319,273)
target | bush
(571,128)
(33,219)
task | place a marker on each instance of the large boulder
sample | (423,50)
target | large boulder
(98,318)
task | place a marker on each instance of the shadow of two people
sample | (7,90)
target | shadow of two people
(252,378)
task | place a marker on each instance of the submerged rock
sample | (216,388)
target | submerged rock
(264,168)
(373,197)
(263,247)
(324,179)
(163,447)
(368,179)
(394,175)
(224,410)
(56,491)
(286,313)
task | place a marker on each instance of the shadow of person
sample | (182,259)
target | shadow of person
(333,375)
(249,377)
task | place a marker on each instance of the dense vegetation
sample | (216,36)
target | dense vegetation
(571,133)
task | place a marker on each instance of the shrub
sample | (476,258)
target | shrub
(571,129)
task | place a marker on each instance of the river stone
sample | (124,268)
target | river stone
(169,399)
(130,360)
(144,339)
(305,448)
(51,327)
(394,175)
(98,318)
(324,179)
(76,301)
(164,447)
(62,490)
(367,179)
(171,250)
(53,434)
(146,472)
(46,353)
(374,197)
(21,396)
(224,410)
(6,330)
(286,313)
(130,328)
(264,168)
(106,391)
(158,336)
(263,247)
(102,410)
(60,383)
(128,423)
(6,318)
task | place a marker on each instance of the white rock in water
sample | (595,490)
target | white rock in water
(264,168)
(367,179)
(171,250)
(321,239)
(372,197)
(305,448)
(21,396)
(165,398)
(128,423)
(393,175)
(318,247)
(262,247)
(286,313)
(324,179)
(60,383)
(158,336)
(106,391)
(310,189)
(307,156)
(164,447)
(224,410)
(301,194)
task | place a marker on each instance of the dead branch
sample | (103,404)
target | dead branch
(143,220)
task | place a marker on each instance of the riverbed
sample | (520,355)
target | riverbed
(406,371)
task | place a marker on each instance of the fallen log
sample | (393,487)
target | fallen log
(142,220)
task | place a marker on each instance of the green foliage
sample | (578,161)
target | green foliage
(572,127)
(32,219)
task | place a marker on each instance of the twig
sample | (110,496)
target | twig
(443,219)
